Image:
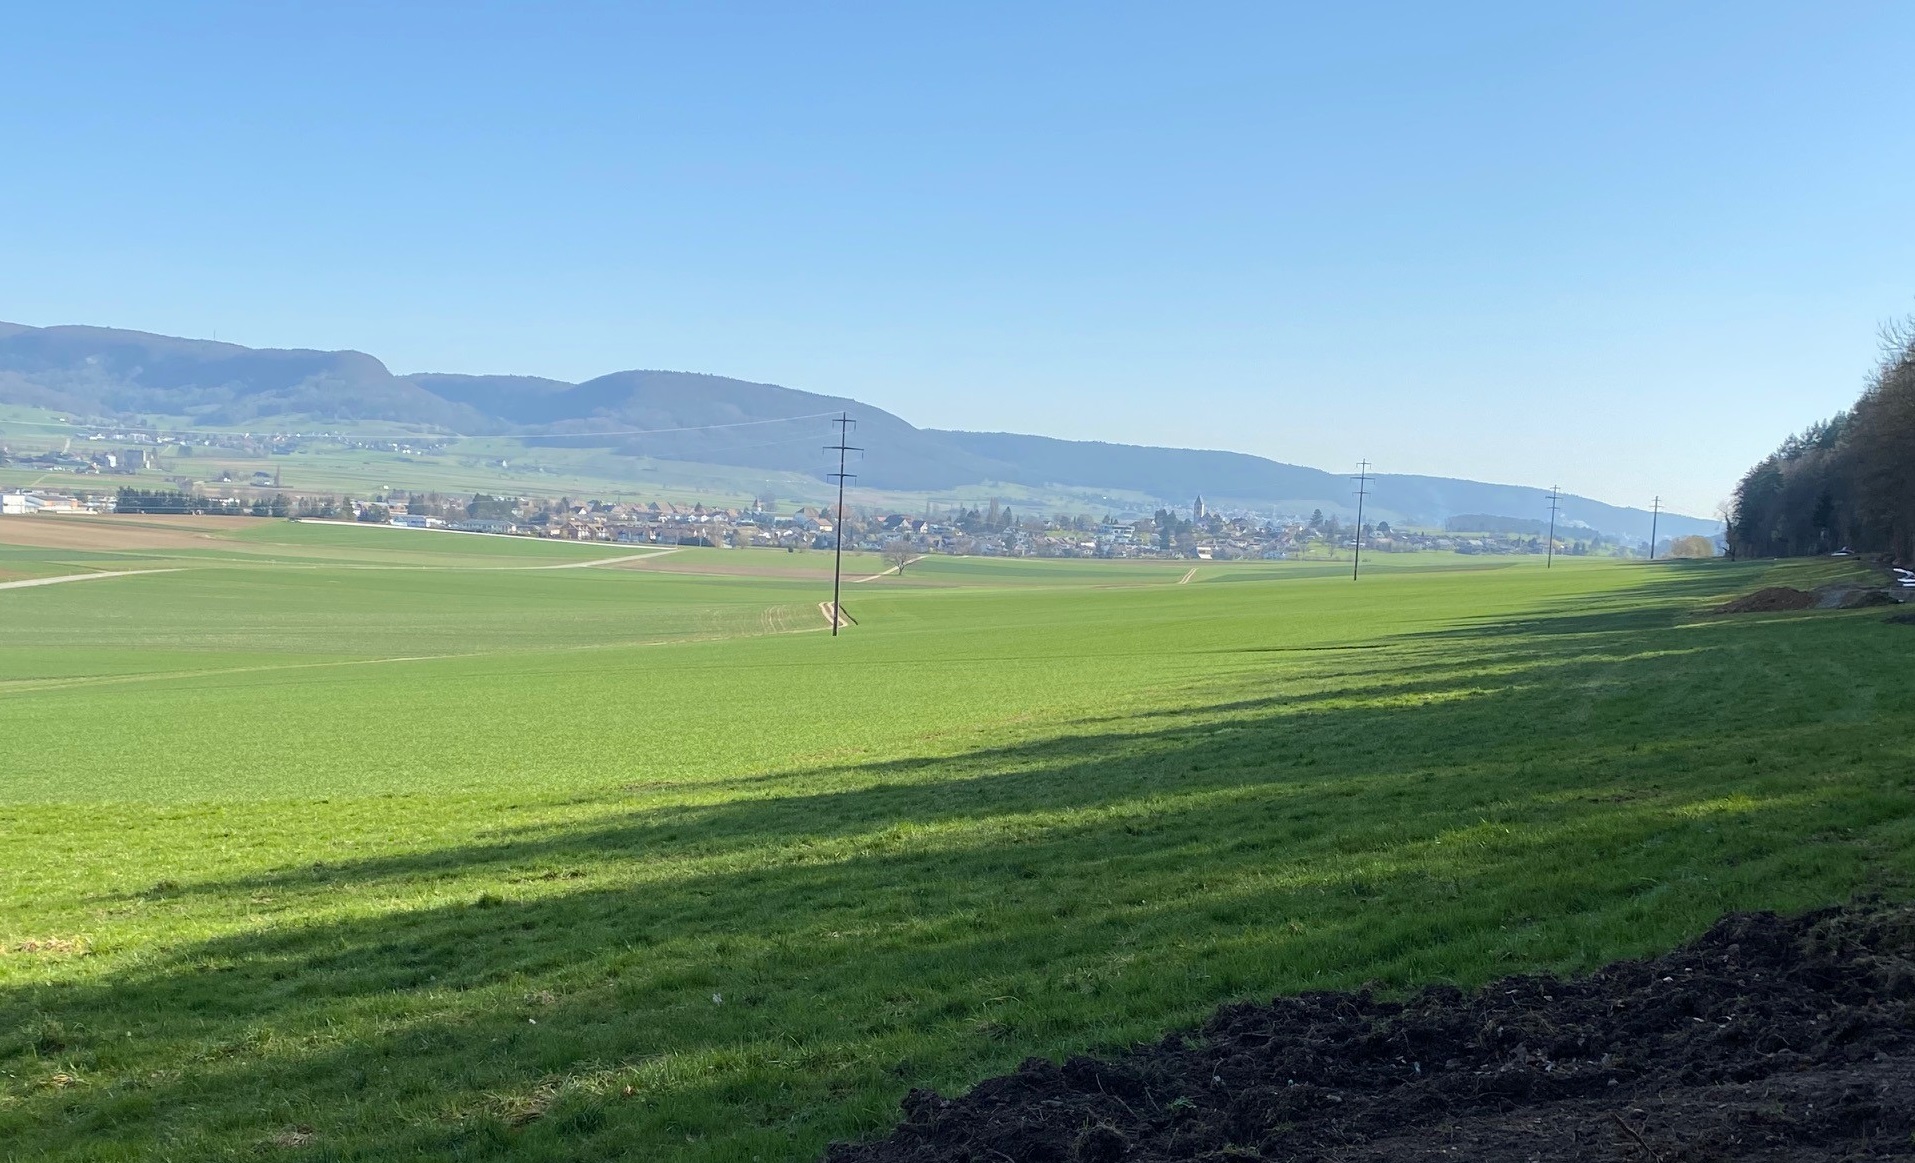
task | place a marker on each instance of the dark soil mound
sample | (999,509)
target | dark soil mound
(1766,1039)
(1850,598)
(1901,619)
(1769,601)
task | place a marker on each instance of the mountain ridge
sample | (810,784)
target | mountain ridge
(116,374)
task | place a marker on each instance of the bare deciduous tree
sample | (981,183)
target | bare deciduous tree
(1846,483)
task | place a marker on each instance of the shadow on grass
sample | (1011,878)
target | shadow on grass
(753,976)
(1665,595)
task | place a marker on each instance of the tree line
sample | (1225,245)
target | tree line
(176,501)
(1845,483)
(169,501)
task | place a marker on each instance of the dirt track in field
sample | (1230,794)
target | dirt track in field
(742,563)
(1765,1039)
(62,579)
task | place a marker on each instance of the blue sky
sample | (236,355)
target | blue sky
(1623,248)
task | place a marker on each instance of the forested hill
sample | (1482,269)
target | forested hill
(1848,482)
(1178,473)
(133,377)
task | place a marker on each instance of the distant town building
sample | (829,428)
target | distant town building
(27,503)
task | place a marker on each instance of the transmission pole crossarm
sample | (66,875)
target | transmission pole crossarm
(845,424)
(1362,479)
(1555,505)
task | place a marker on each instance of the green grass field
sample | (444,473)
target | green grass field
(342,844)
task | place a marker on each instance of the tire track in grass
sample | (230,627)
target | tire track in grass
(784,620)
(29,685)
(772,623)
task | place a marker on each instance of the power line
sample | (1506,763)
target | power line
(1362,479)
(767,443)
(644,431)
(845,424)
(1555,506)
(443,436)
(725,449)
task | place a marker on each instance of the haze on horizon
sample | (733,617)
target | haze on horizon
(1620,249)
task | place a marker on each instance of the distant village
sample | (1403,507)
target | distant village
(1197,532)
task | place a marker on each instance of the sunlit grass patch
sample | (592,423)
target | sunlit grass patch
(633,874)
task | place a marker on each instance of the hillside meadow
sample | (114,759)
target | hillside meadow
(342,844)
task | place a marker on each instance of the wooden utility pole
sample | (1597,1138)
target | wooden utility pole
(1362,479)
(845,424)
(1549,550)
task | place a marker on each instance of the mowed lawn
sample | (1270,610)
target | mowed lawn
(305,859)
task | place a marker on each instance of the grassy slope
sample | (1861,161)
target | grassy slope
(472,464)
(727,893)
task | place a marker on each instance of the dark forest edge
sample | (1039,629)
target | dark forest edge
(1845,483)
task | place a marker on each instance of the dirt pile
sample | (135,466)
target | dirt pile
(1772,600)
(1775,599)
(1765,1039)
(1850,598)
